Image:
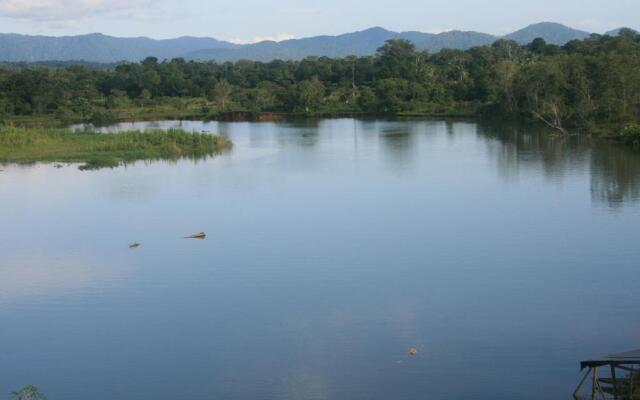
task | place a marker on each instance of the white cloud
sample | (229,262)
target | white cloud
(438,30)
(66,11)
(275,38)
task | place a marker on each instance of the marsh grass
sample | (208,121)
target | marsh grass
(98,150)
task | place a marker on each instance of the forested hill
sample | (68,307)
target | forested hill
(551,32)
(107,49)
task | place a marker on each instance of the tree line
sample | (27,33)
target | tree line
(578,86)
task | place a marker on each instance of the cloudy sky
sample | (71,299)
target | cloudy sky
(251,20)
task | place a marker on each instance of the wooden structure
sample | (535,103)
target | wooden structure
(612,377)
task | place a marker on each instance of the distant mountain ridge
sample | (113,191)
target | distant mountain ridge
(360,43)
(99,48)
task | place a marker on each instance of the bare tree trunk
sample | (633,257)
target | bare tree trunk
(354,88)
(555,121)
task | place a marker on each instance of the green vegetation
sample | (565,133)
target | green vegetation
(631,134)
(28,392)
(581,87)
(96,150)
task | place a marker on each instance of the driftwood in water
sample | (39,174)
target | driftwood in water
(199,235)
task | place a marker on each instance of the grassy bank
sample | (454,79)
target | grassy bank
(95,150)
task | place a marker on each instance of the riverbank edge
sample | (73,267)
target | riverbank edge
(229,116)
(605,131)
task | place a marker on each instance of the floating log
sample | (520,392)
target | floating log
(199,235)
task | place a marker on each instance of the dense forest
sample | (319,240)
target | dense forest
(583,86)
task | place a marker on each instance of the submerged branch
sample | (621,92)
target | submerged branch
(555,125)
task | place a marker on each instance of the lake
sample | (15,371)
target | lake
(503,255)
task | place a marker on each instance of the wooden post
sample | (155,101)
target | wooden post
(584,378)
(615,382)
(594,383)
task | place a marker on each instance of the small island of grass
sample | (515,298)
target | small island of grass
(97,150)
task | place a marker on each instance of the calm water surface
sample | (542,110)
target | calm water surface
(504,256)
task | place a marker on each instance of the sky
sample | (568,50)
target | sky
(246,21)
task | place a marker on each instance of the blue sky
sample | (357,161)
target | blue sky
(252,20)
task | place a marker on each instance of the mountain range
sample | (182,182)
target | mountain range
(101,48)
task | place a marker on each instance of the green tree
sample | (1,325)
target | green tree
(307,96)
(367,100)
(81,107)
(505,75)
(266,96)
(391,94)
(542,86)
(397,58)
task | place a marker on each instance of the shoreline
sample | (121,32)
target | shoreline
(50,121)
(605,131)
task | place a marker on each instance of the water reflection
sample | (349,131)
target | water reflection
(614,169)
(514,148)
(526,147)
(399,145)
(615,175)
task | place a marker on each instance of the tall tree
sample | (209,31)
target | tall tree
(222,92)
